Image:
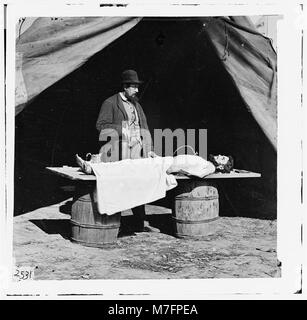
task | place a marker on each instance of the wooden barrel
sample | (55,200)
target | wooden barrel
(195,212)
(89,227)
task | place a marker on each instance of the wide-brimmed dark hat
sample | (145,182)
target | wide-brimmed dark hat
(131,77)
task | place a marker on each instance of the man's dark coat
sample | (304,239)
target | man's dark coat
(111,115)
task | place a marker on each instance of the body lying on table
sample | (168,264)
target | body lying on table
(128,183)
(181,164)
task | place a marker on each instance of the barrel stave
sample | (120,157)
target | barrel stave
(89,227)
(196,210)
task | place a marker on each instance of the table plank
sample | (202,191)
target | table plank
(74,173)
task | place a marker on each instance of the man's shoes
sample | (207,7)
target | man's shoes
(129,231)
(147,228)
(126,231)
(151,229)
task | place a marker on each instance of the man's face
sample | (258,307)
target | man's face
(131,90)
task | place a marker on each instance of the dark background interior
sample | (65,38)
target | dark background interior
(185,86)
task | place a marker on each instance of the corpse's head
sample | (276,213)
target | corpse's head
(222,163)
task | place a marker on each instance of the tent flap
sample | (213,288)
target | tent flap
(51,48)
(250,60)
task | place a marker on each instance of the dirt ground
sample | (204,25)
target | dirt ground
(240,248)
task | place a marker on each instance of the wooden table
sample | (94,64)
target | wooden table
(74,173)
(195,205)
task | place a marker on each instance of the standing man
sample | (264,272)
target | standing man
(122,119)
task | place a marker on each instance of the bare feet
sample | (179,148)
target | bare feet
(84,165)
(151,154)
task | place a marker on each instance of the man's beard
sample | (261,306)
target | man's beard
(133,99)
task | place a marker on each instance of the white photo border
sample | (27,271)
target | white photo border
(290,130)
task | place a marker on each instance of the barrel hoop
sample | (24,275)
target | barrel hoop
(196,198)
(91,244)
(196,221)
(91,226)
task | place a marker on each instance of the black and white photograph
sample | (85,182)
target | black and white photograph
(148,145)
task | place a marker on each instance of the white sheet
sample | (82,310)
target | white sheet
(125,184)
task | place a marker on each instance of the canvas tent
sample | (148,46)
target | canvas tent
(216,73)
